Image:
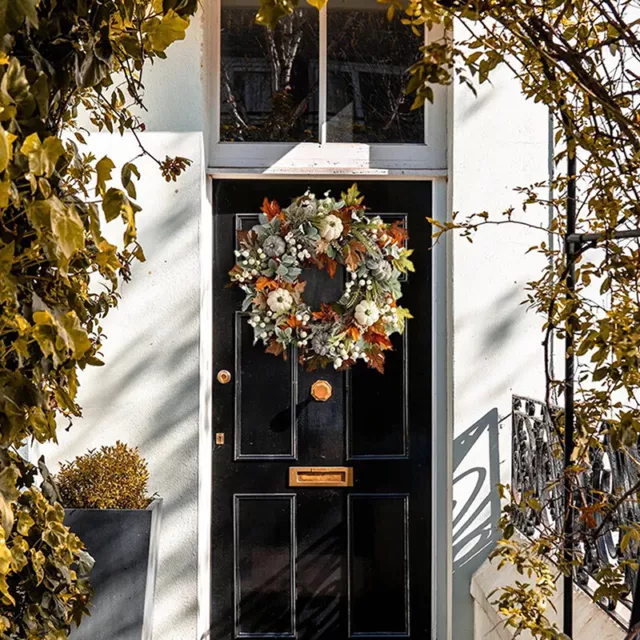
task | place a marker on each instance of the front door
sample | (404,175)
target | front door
(320,563)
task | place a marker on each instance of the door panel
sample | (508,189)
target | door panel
(319,563)
(378,564)
(376,419)
(265,423)
(264,560)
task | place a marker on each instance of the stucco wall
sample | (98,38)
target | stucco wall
(498,142)
(147,393)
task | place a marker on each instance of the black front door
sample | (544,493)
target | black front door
(321,563)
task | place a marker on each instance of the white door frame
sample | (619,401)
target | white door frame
(441,417)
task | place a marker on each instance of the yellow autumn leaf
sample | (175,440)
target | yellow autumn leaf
(165,31)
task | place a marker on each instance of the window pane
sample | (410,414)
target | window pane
(368,58)
(269,79)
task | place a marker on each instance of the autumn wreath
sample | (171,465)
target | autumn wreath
(325,232)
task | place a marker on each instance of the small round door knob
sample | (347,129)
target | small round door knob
(223,376)
(321,390)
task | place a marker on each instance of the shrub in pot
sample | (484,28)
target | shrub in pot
(106,502)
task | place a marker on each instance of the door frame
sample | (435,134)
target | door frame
(441,412)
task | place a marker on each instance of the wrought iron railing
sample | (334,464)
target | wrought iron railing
(537,466)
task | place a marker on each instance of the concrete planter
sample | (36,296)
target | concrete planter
(124,544)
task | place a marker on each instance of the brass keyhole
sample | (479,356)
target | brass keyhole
(223,376)
(321,390)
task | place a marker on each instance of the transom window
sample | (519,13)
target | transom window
(323,89)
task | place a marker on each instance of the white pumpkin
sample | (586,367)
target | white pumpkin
(330,228)
(366,313)
(279,301)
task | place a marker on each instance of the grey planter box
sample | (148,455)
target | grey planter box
(124,544)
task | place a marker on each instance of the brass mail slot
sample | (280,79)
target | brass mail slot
(320,476)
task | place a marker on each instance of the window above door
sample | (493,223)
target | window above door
(324,90)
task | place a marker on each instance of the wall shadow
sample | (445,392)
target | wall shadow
(474,520)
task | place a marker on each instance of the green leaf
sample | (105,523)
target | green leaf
(77,338)
(24,524)
(139,254)
(5,193)
(6,257)
(403,315)
(128,170)
(165,31)
(14,12)
(8,494)
(62,338)
(115,203)
(67,228)
(271,11)
(44,333)
(5,149)
(352,197)
(42,156)
(104,167)
(91,72)
(402,262)
(14,87)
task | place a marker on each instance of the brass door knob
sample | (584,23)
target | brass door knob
(223,376)
(321,390)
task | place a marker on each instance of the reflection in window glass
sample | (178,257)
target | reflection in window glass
(269,79)
(368,58)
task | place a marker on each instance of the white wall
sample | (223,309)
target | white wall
(499,141)
(147,393)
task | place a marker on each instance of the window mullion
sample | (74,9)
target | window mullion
(322,76)
(215,36)
(426,105)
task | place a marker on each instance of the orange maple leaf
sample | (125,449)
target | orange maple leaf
(353,333)
(397,232)
(379,339)
(326,314)
(376,360)
(264,283)
(377,335)
(271,209)
(293,322)
(276,348)
(324,261)
(354,253)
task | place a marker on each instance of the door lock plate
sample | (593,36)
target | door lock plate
(321,390)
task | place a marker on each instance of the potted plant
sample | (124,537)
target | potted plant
(106,502)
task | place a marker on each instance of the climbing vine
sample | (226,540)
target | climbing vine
(58,59)
(579,58)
